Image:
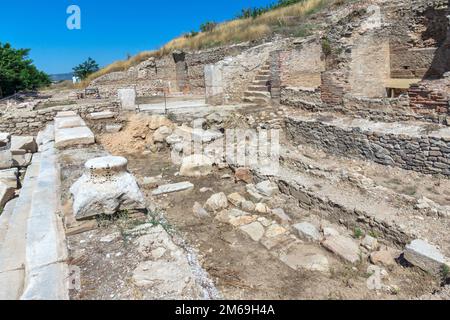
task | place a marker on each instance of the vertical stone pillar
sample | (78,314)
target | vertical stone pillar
(214,84)
(127,98)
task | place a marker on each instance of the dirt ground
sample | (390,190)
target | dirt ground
(239,267)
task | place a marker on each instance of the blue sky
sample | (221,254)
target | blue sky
(110,28)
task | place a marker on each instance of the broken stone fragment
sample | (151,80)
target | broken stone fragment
(254,195)
(10,177)
(247,205)
(262,208)
(5,139)
(113,128)
(196,165)
(6,160)
(199,211)
(105,188)
(370,243)
(161,134)
(174,187)
(425,256)
(384,257)
(216,202)
(243,174)
(27,143)
(267,188)
(22,160)
(281,216)
(236,199)
(254,230)
(6,193)
(307,231)
(344,247)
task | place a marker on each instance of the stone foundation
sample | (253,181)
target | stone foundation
(409,146)
(29,123)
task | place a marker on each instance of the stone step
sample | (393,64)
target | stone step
(259,94)
(264,73)
(364,205)
(260,83)
(260,77)
(256,100)
(46,249)
(12,249)
(262,88)
(4,218)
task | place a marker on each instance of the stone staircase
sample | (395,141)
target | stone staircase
(259,90)
(32,241)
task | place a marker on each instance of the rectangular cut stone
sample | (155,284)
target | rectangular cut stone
(73,136)
(102,115)
(425,256)
(127,98)
(66,114)
(9,177)
(69,122)
(176,187)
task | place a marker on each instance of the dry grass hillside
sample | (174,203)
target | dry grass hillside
(234,31)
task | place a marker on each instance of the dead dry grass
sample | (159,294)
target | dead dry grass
(235,31)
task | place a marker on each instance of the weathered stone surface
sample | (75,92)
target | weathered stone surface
(102,115)
(6,160)
(384,257)
(10,177)
(45,136)
(27,143)
(6,193)
(425,256)
(274,230)
(255,196)
(255,230)
(175,187)
(22,160)
(63,114)
(151,182)
(168,274)
(113,128)
(243,174)
(196,165)
(236,199)
(344,247)
(281,216)
(226,216)
(306,257)
(127,98)
(217,202)
(262,208)
(328,232)
(267,188)
(5,138)
(69,122)
(73,137)
(106,188)
(307,231)
(247,205)
(199,211)
(161,134)
(370,243)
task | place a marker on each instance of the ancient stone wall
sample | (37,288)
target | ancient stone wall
(303,98)
(411,63)
(302,65)
(178,72)
(24,123)
(410,148)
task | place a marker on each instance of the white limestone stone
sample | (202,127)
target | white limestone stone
(196,165)
(127,98)
(307,231)
(267,188)
(175,187)
(6,160)
(425,256)
(102,115)
(6,193)
(344,247)
(106,188)
(69,122)
(217,202)
(70,137)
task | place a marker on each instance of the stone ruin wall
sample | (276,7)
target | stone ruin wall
(179,72)
(355,75)
(31,122)
(302,65)
(426,154)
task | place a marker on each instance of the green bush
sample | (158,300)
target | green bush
(208,26)
(17,71)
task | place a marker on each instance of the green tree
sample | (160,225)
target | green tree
(83,70)
(17,71)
